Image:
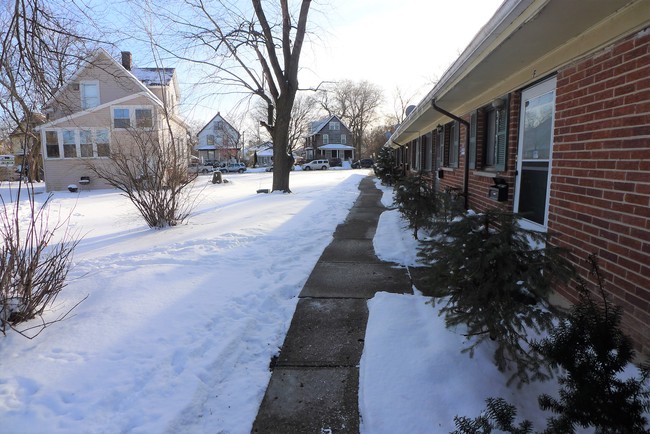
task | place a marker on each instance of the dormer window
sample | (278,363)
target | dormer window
(89,94)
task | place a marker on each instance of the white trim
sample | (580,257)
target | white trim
(95,109)
(82,87)
(77,141)
(132,119)
(534,91)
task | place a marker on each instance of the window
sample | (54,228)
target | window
(440,150)
(86,143)
(473,125)
(454,140)
(143,118)
(326,139)
(427,152)
(344,139)
(210,139)
(121,118)
(52,144)
(89,94)
(69,144)
(335,126)
(101,140)
(495,139)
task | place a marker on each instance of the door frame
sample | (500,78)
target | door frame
(536,90)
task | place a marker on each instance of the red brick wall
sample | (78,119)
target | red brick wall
(600,182)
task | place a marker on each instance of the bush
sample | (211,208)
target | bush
(417,201)
(152,173)
(33,269)
(386,167)
(494,278)
(592,351)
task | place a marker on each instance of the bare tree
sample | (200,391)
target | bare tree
(401,102)
(38,48)
(305,110)
(255,52)
(33,269)
(356,104)
(41,48)
(149,166)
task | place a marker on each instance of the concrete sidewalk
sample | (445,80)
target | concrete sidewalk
(315,382)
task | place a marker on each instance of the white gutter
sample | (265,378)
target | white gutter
(507,13)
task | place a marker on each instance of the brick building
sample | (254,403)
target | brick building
(551,101)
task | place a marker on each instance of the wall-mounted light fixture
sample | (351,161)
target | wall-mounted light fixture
(440,128)
(498,103)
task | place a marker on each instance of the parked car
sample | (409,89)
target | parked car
(232,167)
(316,164)
(270,168)
(195,167)
(335,162)
(365,163)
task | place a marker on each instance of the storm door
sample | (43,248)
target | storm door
(534,154)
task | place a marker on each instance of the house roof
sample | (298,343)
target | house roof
(335,146)
(218,115)
(316,126)
(145,77)
(525,41)
(154,76)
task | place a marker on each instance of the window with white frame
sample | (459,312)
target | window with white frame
(335,126)
(102,143)
(86,143)
(52,144)
(69,144)
(344,139)
(121,118)
(428,157)
(326,139)
(454,142)
(143,118)
(75,143)
(209,140)
(89,91)
(132,116)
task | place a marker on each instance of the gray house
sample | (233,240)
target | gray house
(328,138)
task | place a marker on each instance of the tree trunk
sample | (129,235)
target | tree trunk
(281,159)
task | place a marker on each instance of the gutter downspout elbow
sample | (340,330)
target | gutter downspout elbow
(467,128)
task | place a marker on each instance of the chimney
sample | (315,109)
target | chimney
(126,60)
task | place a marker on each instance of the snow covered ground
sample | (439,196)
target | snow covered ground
(180,324)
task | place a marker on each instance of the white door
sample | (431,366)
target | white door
(535,148)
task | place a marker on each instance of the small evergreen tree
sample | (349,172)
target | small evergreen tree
(494,279)
(592,350)
(417,201)
(499,416)
(386,167)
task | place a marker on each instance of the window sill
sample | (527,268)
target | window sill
(448,169)
(485,173)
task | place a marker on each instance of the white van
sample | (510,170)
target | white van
(317,164)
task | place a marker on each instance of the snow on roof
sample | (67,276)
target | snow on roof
(154,76)
(316,126)
(335,146)
(265,153)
